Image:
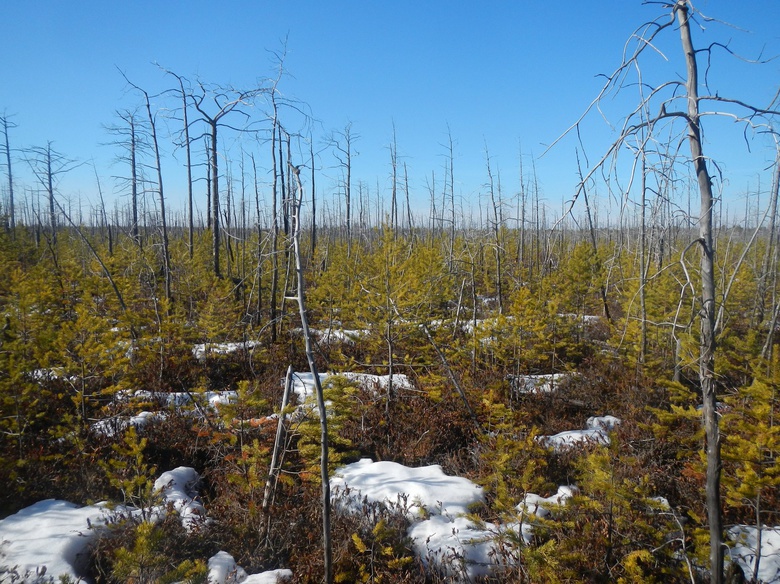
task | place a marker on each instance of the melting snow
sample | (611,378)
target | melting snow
(303,383)
(457,545)
(177,487)
(536,505)
(50,539)
(47,539)
(597,431)
(203,350)
(427,487)
(544,383)
(744,551)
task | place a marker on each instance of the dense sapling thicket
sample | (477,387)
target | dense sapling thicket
(71,356)
(121,329)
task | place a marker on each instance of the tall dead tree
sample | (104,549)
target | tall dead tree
(208,182)
(187,143)
(409,221)
(678,101)
(48,165)
(495,223)
(707,342)
(6,124)
(394,182)
(222,101)
(274,213)
(325,478)
(343,151)
(131,137)
(160,191)
(449,193)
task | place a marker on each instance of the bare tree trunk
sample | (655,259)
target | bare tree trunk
(103,214)
(275,227)
(643,263)
(409,223)
(213,121)
(259,266)
(166,252)
(208,182)
(707,313)
(213,165)
(523,196)
(50,191)
(326,540)
(11,210)
(451,160)
(313,204)
(394,183)
(765,268)
(134,179)
(342,143)
(273,473)
(594,244)
(188,150)
(496,224)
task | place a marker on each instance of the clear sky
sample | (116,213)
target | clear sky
(508,75)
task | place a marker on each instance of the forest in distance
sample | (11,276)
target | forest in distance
(140,339)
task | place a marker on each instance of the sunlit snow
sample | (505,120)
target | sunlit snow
(178,488)
(543,383)
(743,551)
(51,538)
(203,350)
(303,382)
(436,503)
(596,430)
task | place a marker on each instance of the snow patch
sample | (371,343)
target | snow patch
(744,550)
(303,382)
(202,350)
(596,431)
(535,384)
(47,540)
(177,487)
(426,488)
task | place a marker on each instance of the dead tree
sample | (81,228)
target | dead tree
(342,143)
(161,193)
(187,143)
(155,149)
(222,101)
(48,165)
(6,123)
(496,222)
(296,217)
(394,183)
(132,138)
(678,104)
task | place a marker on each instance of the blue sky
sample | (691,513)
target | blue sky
(508,75)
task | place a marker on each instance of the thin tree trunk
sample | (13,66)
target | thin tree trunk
(313,205)
(166,252)
(275,239)
(259,265)
(643,264)
(11,210)
(208,183)
(188,150)
(326,540)
(394,184)
(273,473)
(707,312)
(215,198)
(765,268)
(50,191)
